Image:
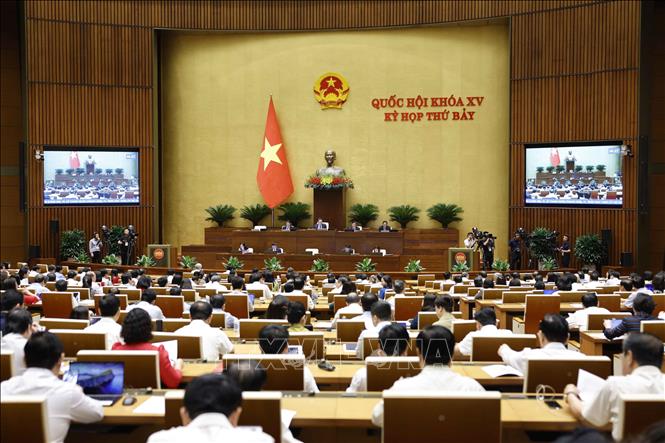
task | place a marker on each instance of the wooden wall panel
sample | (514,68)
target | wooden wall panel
(574,77)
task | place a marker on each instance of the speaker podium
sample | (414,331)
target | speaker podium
(330,206)
(161,254)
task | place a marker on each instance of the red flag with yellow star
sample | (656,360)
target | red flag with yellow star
(273,176)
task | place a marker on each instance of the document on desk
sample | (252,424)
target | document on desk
(322,325)
(588,385)
(154,405)
(502,371)
(171,347)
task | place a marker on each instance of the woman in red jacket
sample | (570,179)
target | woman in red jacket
(136,333)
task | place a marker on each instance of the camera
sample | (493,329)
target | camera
(481,236)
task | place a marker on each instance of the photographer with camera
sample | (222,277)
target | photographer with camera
(106,237)
(488,251)
(565,252)
(515,245)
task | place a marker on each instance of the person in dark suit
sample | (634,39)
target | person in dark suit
(288,226)
(274,249)
(385,227)
(125,245)
(643,307)
(347,249)
(354,227)
(320,225)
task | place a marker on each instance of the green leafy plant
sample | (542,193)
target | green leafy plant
(220,214)
(233,263)
(119,171)
(589,249)
(188,262)
(255,213)
(600,168)
(72,244)
(403,214)
(413,266)
(98,171)
(80,171)
(70,171)
(145,261)
(273,264)
(109,171)
(540,169)
(363,214)
(59,171)
(83,257)
(445,213)
(542,244)
(112,259)
(548,264)
(294,212)
(501,265)
(366,265)
(578,168)
(550,169)
(460,267)
(320,265)
(589,168)
(560,169)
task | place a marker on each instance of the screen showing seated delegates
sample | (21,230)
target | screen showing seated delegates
(91,177)
(574,175)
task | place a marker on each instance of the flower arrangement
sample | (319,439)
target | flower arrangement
(328,182)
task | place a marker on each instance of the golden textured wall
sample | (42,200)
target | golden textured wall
(215,89)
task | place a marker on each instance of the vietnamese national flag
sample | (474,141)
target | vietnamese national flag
(74,160)
(554,157)
(273,176)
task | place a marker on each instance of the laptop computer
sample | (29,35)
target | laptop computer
(103,381)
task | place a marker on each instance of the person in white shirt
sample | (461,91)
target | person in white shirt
(298,286)
(147,303)
(274,339)
(215,283)
(393,341)
(642,360)
(218,301)
(469,241)
(381,316)
(210,413)
(38,286)
(552,337)
(485,326)
(457,282)
(613,278)
(367,301)
(65,402)
(257,281)
(398,287)
(214,341)
(109,307)
(435,347)
(638,286)
(580,319)
(594,281)
(352,307)
(18,330)
(237,288)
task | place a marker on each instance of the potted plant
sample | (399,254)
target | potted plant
(320,265)
(600,168)
(70,171)
(589,168)
(366,265)
(403,214)
(363,214)
(119,171)
(59,171)
(114,237)
(145,261)
(413,266)
(220,214)
(294,212)
(188,262)
(233,263)
(549,264)
(108,171)
(540,169)
(111,259)
(578,168)
(550,169)
(460,267)
(72,244)
(82,257)
(445,213)
(560,169)
(80,171)
(273,264)
(589,250)
(98,171)
(255,213)
(542,244)
(501,265)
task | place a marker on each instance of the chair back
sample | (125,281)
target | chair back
(513,297)
(493,293)
(383,372)
(423,278)
(426,318)
(189,347)
(461,328)
(74,340)
(284,371)
(659,300)
(349,330)
(218,320)
(536,308)
(595,321)
(63,323)
(371,343)
(170,324)
(654,327)
(304,299)
(611,302)
(570,296)
(558,372)
(121,297)
(339,301)
(15,410)
(637,412)
(161,290)
(171,305)
(486,348)
(257,293)
(189,295)
(84,293)
(348,315)
(249,328)
(206,292)
(407,307)
(236,305)
(141,367)
(6,365)
(57,304)
(430,410)
(313,344)
(132,294)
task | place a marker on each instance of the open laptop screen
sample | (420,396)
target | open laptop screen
(98,378)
